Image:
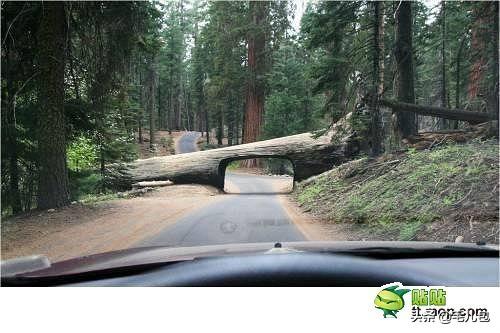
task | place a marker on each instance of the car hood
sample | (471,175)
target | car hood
(40,266)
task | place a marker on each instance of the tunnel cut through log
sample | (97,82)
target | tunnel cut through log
(309,154)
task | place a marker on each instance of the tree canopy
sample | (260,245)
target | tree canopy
(82,82)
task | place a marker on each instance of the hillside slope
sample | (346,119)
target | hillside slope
(449,193)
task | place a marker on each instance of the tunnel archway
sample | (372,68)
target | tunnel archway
(223,164)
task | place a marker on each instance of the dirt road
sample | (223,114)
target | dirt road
(111,225)
(181,215)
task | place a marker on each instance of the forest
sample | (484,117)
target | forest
(83,83)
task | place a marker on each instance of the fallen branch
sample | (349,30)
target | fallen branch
(157,183)
(435,111)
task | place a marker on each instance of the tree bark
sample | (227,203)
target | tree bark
(139,126)
(442,122)
(457,73)
(220,127)
(10,72)
(53,189)
(405,124)
(151,101)
(478,47)
(309,155)
(377,80)
(207,123)
(9,107)
(256,40)
(458,64)
(494,96)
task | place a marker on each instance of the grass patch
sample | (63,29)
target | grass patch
(93,198)
(87,187)
(397,196)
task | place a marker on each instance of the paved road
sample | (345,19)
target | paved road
(187,143)
(256,184)
(238,218)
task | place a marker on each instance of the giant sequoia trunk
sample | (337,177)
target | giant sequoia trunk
(53,189)
(405,123)
(254,111)
(479,52)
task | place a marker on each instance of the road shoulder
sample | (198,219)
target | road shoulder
(80,229)
(313,228)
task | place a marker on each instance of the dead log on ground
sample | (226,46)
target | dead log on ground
(310,155)
(435,111)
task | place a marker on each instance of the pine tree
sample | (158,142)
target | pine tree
(404,123)
(53,188)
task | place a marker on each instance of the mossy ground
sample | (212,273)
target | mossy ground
(437,194)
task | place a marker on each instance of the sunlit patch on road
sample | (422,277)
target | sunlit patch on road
(259,176)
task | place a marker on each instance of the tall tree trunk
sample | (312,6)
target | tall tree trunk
(140,111)
(405,124)
(256,41)
(378,77)
(9,111)
(230,120)
(53,189)
(443,123)
(161,125)
(9,98)
(458,64)
(207,123)
(494,96)
(256,62)
(220,127)
(151,101)
(139,125)
(238,124)
(484,32)
(177,100)
(170,112)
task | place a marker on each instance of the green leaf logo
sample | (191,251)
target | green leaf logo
(390,300)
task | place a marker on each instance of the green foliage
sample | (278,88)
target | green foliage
(82,154)
(311,193)
(332,31)
(290,106)
(199,53)
(101,111)
(233,165)
(84,183)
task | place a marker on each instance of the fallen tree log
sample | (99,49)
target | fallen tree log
(310,155)
(435,111)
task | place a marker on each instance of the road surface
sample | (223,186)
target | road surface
(187,143)
(254,216)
